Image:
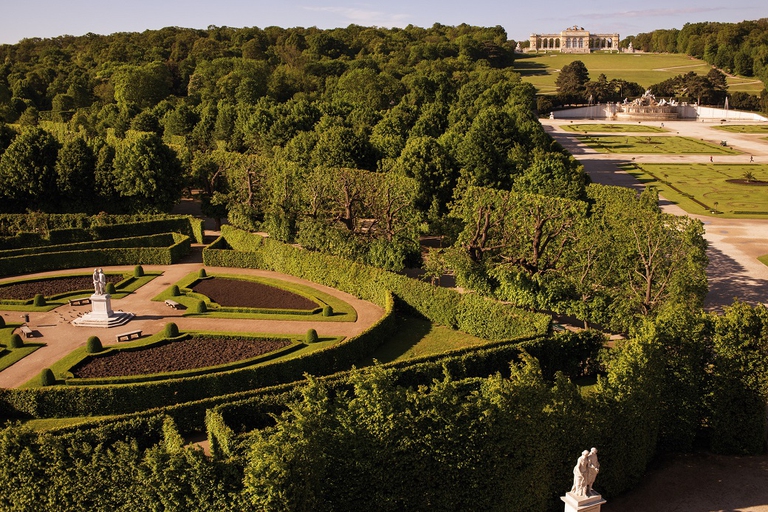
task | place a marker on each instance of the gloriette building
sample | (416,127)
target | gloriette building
(574,40)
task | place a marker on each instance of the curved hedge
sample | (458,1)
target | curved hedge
(470,313)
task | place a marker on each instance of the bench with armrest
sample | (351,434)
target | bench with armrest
(79,302)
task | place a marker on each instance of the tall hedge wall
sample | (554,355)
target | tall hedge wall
(32,230)
(467,312)
(75,256)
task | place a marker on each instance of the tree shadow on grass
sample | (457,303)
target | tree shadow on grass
(729,280)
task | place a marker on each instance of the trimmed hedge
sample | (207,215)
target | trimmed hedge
(75,257)
(155,240)
(37,229)
(472,314)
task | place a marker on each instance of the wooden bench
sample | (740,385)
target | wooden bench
(172,304)
(127,336)
(79,302)
(26,331)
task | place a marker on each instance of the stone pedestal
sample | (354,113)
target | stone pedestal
(574,503)
(101,314)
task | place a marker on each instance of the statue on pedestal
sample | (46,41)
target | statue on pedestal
(580,475)
(593,468)
(99,282)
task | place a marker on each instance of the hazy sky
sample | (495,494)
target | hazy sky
(49,18)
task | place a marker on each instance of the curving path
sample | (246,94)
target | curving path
(734,244)
(61,337)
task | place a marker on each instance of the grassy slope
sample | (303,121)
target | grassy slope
(644,68)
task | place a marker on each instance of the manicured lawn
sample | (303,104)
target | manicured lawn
(417,337)
(645,69)
(654,145)
(612,128)
(743,128)
(701,188)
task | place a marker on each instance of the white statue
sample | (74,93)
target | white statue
(580,474)
(102,282)
(99,281)
(96,282)
(593,468)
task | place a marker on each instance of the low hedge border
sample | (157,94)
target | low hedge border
(156,240)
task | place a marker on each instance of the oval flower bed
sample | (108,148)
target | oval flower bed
(251,294)
(201,351)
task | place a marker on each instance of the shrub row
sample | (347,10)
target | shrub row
(472,314)
(61,401)
(74,257)
(156,240)
(32,230)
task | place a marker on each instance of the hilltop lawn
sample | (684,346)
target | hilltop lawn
(644,68)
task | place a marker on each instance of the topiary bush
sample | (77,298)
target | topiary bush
(199,307)
(93,345)
(15,341)
(202,273)
(39,300)
(47,378)
(110,289)
(138,271)
(171,330)
(2,322)
(311,336)
(327,310)
(175,291)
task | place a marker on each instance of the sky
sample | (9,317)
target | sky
(21,19)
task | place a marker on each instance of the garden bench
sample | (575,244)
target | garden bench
(172,304)
(127,336)
(26,331)
(79,302)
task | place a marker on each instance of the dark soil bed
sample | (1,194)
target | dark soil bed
(755,183)
(250,294)
(54,286)
(196,352)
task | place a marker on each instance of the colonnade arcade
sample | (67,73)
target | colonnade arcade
(574,40)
